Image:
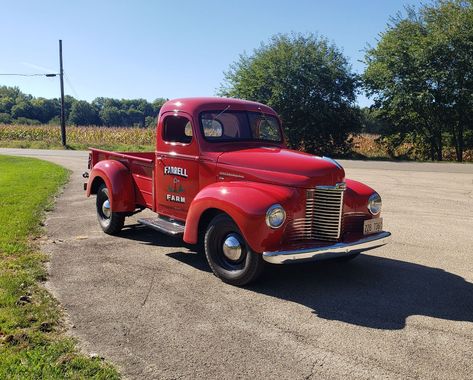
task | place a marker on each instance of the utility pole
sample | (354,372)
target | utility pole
(63,117)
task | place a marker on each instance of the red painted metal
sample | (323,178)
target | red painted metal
(117,177)
(247,203)
(185,180)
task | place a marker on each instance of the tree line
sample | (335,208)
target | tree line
(419,75)
(19,108)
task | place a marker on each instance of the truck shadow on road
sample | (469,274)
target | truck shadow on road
(188,253)
(371,291)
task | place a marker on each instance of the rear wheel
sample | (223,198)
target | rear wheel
(111,222)
(228,254)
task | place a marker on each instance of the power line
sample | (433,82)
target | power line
(61,77)
(68,80)
(30,75)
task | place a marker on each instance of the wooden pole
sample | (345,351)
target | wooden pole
(63,117)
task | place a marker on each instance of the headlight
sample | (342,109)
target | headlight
(275,216)
(374,204)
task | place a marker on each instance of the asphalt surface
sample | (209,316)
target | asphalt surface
(143,301)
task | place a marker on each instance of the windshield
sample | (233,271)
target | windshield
(218,126)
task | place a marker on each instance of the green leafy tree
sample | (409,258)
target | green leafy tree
(45,109)
(308,81)
(156,106)
(6,105)
(83,113)
(372,122)
(421,75)
(68,102)
(5,118)
(22,109)
(10,92)
(133,116)
(112,116)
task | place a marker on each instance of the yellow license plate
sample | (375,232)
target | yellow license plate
(372,226)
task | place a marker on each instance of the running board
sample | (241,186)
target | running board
(166,226)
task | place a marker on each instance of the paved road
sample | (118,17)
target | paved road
(143,301)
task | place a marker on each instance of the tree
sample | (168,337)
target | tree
(421,74)
(308,82)
(22,109)
(5,118)
(68,102)
(156,106)
(45,109)
(8,96)
(112,116)
(82,113)
(372,122)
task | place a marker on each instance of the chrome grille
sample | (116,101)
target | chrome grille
(323,215)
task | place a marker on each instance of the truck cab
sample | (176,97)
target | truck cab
(223,176)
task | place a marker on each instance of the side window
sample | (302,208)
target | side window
(177,129)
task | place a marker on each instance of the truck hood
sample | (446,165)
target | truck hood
(280,166)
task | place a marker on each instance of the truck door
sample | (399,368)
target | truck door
(177,165)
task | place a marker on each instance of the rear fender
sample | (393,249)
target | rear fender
(119,182)
(246,203)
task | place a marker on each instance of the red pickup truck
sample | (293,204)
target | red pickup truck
(222,175)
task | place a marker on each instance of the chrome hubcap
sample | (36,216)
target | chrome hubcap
(232,247)
(106,209)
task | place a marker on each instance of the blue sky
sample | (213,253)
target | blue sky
(151,49)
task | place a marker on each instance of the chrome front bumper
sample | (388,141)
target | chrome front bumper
(328,252)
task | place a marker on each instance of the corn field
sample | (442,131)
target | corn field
(372,146)
(93,136)
(127,138)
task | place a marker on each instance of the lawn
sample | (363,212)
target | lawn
(33,344)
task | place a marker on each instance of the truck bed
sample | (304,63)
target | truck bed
(141,166)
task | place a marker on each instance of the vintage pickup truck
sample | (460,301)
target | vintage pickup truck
(223,177)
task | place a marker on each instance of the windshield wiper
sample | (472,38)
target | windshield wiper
(225,110)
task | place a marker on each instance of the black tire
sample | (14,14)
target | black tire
(238,271)
(112,222)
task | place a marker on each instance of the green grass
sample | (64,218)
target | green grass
(32,340)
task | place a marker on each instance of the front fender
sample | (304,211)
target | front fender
(119,182)
(246,203)
(356,197)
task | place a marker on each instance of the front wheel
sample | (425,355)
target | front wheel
(228,254)
(111,222)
